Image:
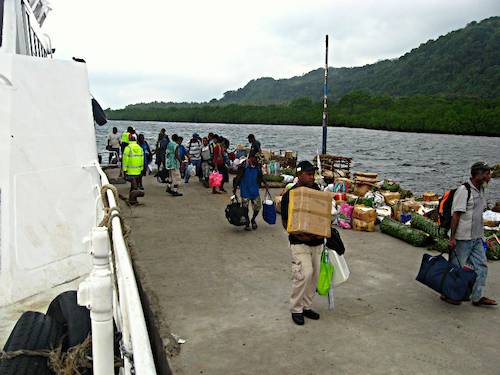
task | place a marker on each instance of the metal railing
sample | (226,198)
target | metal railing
(127,306)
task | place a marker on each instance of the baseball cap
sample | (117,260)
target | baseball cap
(195,135)
(480,166)
(305,166)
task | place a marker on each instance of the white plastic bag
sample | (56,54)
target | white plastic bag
(341,271)
(191,170)
(152,167)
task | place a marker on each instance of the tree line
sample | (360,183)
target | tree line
(419,113)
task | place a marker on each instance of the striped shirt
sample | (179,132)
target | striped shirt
(194,150)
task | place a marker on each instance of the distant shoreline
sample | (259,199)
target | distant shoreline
(330,126)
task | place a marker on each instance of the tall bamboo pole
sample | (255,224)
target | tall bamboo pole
(325,100)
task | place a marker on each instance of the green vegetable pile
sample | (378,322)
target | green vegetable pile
(408,234)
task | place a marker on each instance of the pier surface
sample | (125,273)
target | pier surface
(225,291)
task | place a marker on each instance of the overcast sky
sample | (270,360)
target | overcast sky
(195,50)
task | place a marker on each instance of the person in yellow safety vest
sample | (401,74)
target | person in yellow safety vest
(132,165)
(125,135)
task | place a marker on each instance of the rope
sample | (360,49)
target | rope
(62,363)
(104,197)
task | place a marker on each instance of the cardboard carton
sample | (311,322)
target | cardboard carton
(310,211)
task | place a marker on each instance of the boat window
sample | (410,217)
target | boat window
(1,20)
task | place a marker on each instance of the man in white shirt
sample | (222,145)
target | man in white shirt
(113,145)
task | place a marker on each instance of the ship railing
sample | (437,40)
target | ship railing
(127,306)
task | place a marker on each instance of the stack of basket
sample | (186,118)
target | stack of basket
(364,182)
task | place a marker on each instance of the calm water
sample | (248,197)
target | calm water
(420,162)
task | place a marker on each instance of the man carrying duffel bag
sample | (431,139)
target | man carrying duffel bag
(249,178)
(465,220)
(467,232)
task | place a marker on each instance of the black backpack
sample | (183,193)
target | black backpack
(236,214)
(445,203)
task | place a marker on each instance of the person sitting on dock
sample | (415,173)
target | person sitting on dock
(467,231)
(173,163)
(249,179)
(132,165)
(306,254)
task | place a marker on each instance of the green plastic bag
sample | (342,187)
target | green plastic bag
(325,274)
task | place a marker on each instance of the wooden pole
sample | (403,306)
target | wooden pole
(325,100)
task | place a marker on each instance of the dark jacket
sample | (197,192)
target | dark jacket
(294,240)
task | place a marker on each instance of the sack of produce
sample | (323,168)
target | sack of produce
(325,274)
(361,189)
(391,198)
(363,226)
(383,212)
(408,234)
(345,216)
(364,213)
(269,209)
(310,211)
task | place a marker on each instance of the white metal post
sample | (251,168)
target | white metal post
(96,293)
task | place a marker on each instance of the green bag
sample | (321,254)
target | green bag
(325,274)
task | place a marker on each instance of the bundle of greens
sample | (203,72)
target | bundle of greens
(408,234)
(426,225)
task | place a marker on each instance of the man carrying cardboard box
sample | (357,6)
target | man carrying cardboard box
(306,253)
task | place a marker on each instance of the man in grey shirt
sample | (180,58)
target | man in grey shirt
(466,233)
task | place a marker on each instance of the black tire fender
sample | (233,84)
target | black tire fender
(33,331)
(74,319)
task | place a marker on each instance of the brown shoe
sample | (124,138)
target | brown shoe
(485,301)
(450,301)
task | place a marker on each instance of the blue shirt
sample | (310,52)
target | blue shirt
(182,152)
(249,186)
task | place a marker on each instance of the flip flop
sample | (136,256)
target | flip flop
(484,301)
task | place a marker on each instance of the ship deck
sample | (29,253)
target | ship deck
(225,291)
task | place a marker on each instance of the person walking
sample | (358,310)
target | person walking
(306,254)
(148,155)
(114,144)
(132,165)
(206,161)
(249,179)
(467,231)
(220,164)
(125,138)
(161,135)
(172,164)
(255,148)
(194,156)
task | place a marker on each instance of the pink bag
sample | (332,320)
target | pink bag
(215,179)
(345,216)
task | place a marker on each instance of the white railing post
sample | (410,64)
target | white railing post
(96,293)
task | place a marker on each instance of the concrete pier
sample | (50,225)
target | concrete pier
(225,291)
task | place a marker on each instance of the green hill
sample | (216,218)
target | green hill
(464,62)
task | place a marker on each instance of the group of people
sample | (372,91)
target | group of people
(201,156)
(176,162)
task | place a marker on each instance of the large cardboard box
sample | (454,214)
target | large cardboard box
(310,211)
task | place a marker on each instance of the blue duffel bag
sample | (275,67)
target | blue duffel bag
(452,281)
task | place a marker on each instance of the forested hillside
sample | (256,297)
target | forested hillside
(464,62)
